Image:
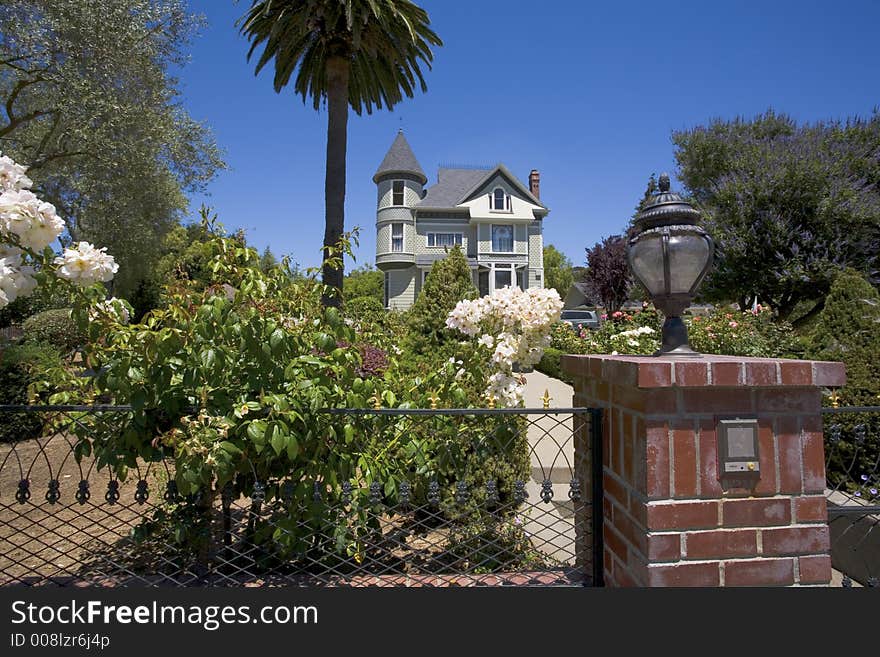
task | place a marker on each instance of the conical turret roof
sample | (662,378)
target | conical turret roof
(400,159)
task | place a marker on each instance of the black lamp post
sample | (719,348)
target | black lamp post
(670,255)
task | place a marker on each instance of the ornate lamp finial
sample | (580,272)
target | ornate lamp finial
(664,182)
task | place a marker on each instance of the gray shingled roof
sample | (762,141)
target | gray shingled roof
(400,159)
(452,185)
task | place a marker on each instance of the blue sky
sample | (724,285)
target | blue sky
(586,92)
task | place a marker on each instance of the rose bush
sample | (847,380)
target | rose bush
(28,225)
(723,331)
(514,328)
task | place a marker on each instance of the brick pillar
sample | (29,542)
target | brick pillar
(670,519)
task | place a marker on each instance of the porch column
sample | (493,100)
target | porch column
(681,506)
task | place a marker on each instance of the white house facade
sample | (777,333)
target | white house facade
(495,219)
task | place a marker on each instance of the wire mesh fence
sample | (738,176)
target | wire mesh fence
(852,457)
(475,497)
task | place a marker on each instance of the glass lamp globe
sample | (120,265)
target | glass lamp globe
(670,255)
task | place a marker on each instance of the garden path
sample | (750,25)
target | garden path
(551,526)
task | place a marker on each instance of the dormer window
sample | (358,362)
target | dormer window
(500,200)
(397,188)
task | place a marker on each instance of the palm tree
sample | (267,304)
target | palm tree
(363,53)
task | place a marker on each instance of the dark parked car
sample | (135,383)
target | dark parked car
(588,319)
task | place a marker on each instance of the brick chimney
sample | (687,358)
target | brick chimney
(535,183)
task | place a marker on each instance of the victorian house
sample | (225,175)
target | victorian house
(495,219)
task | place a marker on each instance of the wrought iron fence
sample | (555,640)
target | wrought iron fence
(852,465)
(478,497)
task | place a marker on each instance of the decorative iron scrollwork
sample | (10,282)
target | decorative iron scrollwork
(433,493)
(82,492)
(461,493)
(519,491)
(142,491)
(546,491)
(860,434)
(54,491)
(375,493)
(346,493)
(404,492)
(259,493)
(574,490)
(112,494)
(23,494)
(492,497)
(172,494)
(834,432)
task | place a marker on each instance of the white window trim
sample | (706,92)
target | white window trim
(437,232)
(508,202)
(512,239)
(393,204)
(511,267)
(402,237)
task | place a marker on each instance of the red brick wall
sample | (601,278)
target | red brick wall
(667,519)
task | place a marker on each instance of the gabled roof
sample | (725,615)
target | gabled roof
(455,186)
(400,159)
(452,185)
(504,171)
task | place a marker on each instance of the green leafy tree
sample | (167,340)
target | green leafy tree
(789,206)
(449,281)
(359,53)
(847,330)
(365,281)
(88,103)
(268,260)
(558,272)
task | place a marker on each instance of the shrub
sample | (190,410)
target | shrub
(448,282)
(54,327)
(750,333)
(19,365)
(723,331)
(847,331)
(360,306)
(551,365)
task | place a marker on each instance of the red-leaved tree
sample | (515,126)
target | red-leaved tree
(608,277)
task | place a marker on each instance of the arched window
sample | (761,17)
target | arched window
(498,199)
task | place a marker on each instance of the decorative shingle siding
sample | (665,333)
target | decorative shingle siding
(536,246)
(412,192)
(401,288)
(425,225)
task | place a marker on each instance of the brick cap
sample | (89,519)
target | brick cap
(710,370)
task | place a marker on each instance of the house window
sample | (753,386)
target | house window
(521,279)
(397,192)
(387,288)
(396,238)
(502,239)
(445,239)
(500,200)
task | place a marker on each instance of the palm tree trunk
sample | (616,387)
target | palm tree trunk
(334,180)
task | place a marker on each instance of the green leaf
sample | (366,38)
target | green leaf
(276,438)
(208,358)
(292,447)
(256,431)
(229,447)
